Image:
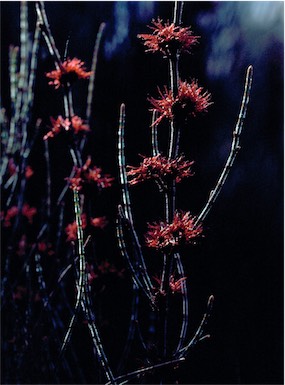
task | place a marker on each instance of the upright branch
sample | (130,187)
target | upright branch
(93,71)
(235,147)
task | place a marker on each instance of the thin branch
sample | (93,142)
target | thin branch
(128,376)
(154,138)
(80,285)
(198,335)
(235,147)
(132,326)
(185,306)
(93,71)
(126,197)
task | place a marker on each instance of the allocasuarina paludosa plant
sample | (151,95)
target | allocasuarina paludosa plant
(177,104)
(46,240)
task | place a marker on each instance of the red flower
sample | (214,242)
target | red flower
(29,212)
(86,174)
(12,168)
(100,222)
(58,125)
(190,101)
(162,235)
(71,229)
(29,172)
(71,70)
(159,167)
(175,286)
(11,213)
(19,293)
(168,38)
(76,124)
(45,247)
(22,246)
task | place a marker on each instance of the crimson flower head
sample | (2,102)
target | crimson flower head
(87,175)
(160,168)
(164,236)
(71,229)
(70,71)
(176,286)
(190,101)
(60,124)
(168,38)
(29,212)
(100,222)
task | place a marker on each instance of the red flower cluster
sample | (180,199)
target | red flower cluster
(168,38)
(71,229)
(162,235)
(12,169)
(159,167)
(175,286)
(103,268)
(86,174)
(76,124)
(70,71)
(27,211)
(190,101)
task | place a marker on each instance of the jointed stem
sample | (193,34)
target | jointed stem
(235,147)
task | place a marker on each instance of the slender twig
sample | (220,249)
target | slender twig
(93,71)
(80,285)
(198,335)
(185,306)
(128,376)
(132,326)
(44,25)
(235,147)
(87,308)
(48,182)
(125,254)
(178,8)
(126,197)
(154,138)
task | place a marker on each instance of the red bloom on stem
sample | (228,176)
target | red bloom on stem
(29,172)
(168,38)
(175,286)
(12,168)
(11,213)
(190,101)
(162,235)
(58,125)
(71,229)
(160,168)
(100,222)
(70,71)
(86,175)
(29,212)
(78,125)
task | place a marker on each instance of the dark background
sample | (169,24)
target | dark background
(240,260)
